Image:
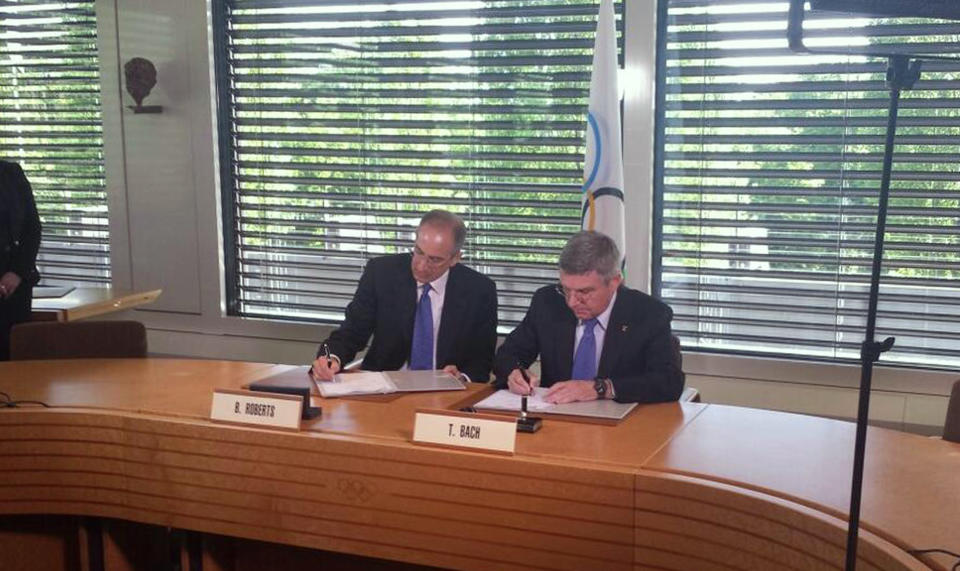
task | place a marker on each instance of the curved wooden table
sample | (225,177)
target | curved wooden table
(674,486)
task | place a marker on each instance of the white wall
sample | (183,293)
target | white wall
(163,184)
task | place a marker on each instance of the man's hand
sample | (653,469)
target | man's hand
(453,370)
(517,384)
(571,391)
(9,283)
(321,371)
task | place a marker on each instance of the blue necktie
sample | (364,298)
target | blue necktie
(421,351)
(585,359)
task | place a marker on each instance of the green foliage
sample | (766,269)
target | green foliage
(51,124)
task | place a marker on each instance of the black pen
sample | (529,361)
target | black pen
(523,406)
(526,378)
(324,351)
(326,354)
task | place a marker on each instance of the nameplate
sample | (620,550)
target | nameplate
(248,407)
(465,430)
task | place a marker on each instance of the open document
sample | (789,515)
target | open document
(375,382)
(605,409)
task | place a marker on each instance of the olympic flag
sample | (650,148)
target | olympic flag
(603,165)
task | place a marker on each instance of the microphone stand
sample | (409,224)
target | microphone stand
(902,73)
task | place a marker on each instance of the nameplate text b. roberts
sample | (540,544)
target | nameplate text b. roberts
(465,430)
(249,407)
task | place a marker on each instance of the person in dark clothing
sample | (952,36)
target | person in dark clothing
(595,337)
(424,310)
(19,243)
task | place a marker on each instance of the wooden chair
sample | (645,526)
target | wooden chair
(78,340)
(951,427)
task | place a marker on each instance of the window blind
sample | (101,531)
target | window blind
(343,122)
(768,180)
(50,123)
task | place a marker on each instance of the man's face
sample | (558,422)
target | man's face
(588,295)
(433,253)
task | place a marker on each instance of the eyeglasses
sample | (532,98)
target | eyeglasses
(431,260)
(580,295)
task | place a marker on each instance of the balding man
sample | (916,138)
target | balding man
(424,309)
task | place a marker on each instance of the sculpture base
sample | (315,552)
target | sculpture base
(146,108)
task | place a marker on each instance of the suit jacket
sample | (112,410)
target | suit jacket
(384,306)
(637,354)
(19,225)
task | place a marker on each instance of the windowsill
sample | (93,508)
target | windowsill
(277,341)
(837,375)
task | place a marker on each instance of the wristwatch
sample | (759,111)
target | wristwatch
(600,385)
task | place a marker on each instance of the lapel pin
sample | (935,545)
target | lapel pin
(623,328)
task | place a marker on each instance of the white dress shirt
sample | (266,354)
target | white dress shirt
(599,331)
(438,290)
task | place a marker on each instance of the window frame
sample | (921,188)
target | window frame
(228,149)
(658,265)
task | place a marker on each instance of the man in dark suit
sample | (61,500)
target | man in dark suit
(424,310)
(19,243)
(596,338)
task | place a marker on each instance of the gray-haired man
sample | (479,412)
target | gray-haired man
(596,338)
(424,309)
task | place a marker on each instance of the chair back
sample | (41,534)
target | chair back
(951,427)
(78,340)
(689,394)
(677,352)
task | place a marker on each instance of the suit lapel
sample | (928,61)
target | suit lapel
(566,335)
(617,329)
(407,304)
(454,300)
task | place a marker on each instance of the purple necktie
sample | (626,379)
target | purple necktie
(421,351)
(585,359)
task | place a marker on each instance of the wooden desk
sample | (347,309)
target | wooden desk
(911,483)
(87,302)
(676,486)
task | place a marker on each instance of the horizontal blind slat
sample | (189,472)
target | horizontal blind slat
(769,171)
(347,121)
(52,126)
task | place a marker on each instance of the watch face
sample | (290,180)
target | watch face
(600,387)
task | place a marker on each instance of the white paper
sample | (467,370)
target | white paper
(359,383)
(506,400)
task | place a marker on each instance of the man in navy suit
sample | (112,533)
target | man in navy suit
(423,309)
(596,338)
(19,244)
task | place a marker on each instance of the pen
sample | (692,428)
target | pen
(523,406)
(324,351)
(526,378)
(326,354)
